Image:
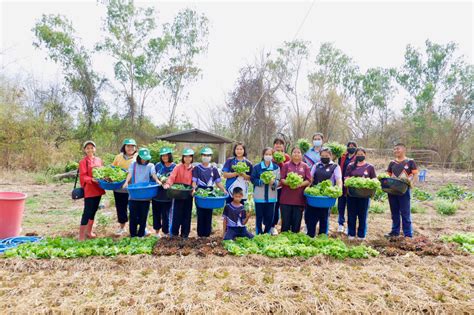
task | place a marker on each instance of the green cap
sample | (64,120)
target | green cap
(129,142)
(188,151)
(206,151)
(144,154)
(164,151)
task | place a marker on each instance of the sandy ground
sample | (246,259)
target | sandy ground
(255,284)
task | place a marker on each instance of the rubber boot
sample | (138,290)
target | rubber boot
(89,232)
(82,232)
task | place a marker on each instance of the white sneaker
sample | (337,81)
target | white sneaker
(147,232)
(361,239)
(120,232)
(351,238)
(305,229)
(340,229)
(274,231)
(157,235)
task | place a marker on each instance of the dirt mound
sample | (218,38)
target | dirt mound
(186,246)
(419,245)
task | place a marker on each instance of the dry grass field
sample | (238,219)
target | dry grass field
(439,279)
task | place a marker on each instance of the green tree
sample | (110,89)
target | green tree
(373,93)
(422,76)
(56,34)
(188,38)
(137,52)
(288,66)
(331,82)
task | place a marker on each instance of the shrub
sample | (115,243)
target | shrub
(445,207)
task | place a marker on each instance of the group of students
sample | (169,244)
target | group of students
(274,201)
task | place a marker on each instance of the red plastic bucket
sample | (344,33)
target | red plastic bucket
(12,205)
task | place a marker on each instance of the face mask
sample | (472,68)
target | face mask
(325,160)
(317,143)
(267,158)
(351,150)
(360,158)
(206,159)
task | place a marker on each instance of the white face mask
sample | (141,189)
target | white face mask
(317,143)
(267,158)
(206,159)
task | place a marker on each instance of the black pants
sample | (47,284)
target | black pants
(90,208)
(276,214)
(314,215)
(138,217)
(204,222)
(181,211)
(161,213)
(357,209)
(121,204)
(291,218)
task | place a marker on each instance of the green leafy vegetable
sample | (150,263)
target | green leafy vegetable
(279,157)
(293,180)
(454,192)
(337,149)
(209,193)
(383,175)
(180,187)
(303,144)
(296,244)
(70,248)
(465,241)
(109,174)
(324,188)
(421,195)
(362,182)
(241,168)
(163,179)
(267,176)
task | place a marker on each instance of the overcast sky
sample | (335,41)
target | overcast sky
(372,33)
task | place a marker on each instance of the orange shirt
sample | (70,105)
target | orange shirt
(181,175)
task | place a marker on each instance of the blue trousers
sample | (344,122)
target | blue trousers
(314,215)
(233,232)
(357,209)
(264,212)
(400,207)
(341,209)
(276,211)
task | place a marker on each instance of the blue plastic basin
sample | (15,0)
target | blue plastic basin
(210,202)
(143,191)
(320,201)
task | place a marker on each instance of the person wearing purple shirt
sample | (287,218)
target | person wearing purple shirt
(205,176)
(358,208)
(321,171)
(292,201)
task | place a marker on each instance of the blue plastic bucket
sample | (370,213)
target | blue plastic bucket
(143,191)
(320,201)
(210,202)
(110,186)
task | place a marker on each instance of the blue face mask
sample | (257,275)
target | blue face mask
(317,143)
